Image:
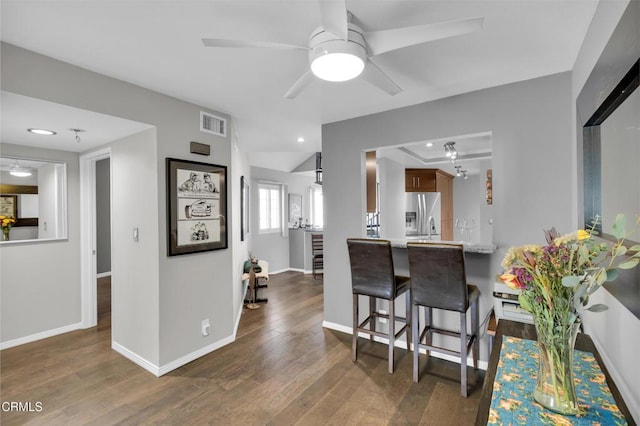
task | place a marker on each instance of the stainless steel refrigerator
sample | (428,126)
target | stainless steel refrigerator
(422,213)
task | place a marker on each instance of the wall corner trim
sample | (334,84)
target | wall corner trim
(38,336)
(136,359)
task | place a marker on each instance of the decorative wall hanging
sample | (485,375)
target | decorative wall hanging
(197,207)
(489,187)
(295,207)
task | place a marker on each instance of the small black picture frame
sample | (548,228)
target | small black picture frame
(244,208)
(196,207)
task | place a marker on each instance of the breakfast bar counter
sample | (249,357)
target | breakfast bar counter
(469,247)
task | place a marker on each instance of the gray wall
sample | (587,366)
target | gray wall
(531,127)
(181,299)
(103,216)
(611,46)
(40,282)
(134,274)
(274,247)
(239,167)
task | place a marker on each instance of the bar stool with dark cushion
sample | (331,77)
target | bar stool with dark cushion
(317,251)
(438,280)
(372,275)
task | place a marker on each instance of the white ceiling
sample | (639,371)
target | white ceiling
(472,150)
(157,45)
(20,113)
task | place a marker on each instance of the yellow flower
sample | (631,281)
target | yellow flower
(583,235)
(533,248)
(508,258)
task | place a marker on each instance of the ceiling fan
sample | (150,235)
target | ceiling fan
(339,50)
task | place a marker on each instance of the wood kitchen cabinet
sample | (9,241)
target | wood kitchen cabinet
(434,180)
(420,180)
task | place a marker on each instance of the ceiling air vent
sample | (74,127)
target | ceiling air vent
(210,123)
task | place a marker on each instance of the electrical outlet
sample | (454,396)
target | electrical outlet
(206,325)
(382,320)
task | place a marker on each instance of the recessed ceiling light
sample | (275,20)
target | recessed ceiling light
(429,144)
(300,139)
(42,132)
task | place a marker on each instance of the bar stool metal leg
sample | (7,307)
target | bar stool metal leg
(372,309)
(415,330)
(427,323)
(475,329)
(392,333)
(463,354)
(407,315)
(354,342)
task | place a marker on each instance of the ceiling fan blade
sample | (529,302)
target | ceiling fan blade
(387,40)
(221,42)
(299,85)
(333,16)
(378,78)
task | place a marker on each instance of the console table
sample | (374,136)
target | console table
(527,331)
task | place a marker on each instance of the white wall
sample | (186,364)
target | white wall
(40,281)
(392,198)
(470,202)
(274,247)
(610,47)
(51,201)
(528,120)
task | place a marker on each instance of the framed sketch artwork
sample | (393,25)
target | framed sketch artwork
(197,207)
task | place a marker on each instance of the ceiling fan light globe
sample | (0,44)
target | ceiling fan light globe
(337,66)
(18,171)
(334,59)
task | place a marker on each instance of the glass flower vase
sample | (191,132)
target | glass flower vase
(555,386)
(5,234)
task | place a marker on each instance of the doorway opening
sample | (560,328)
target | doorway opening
(93,197)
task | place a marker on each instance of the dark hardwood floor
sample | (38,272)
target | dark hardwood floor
(284,368)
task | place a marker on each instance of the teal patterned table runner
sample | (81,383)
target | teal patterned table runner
(512,400)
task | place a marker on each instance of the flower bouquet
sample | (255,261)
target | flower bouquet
(555,283)
(6,222)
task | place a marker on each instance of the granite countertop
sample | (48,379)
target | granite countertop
(469,247)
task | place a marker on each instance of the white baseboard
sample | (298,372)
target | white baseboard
(304,271)
(195,355)
(38,336)
(279,271)
(136,359)
(103,274)
(166,368)
(483,365)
